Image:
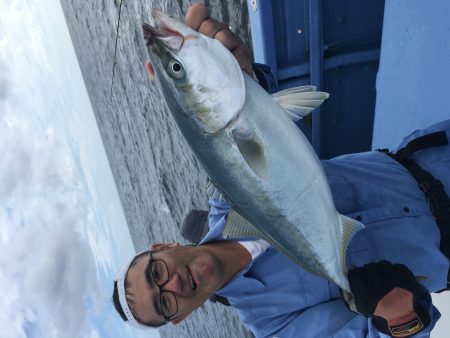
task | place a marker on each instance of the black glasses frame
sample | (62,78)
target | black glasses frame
(148,273)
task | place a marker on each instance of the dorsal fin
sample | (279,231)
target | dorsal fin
(299,101)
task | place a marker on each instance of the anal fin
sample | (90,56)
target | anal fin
(237,226)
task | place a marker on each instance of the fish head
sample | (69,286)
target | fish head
(202,75)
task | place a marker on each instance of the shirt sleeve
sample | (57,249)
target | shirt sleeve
(332,319)
(218,211)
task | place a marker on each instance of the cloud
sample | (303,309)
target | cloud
(5,81)
(94,334)
(47,269)
(50,285)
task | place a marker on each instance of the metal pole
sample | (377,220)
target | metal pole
(316,64)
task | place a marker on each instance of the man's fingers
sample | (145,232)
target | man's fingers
(198,19)
(242,55)
(196,14)
(240,51)
(211,27)
(230,40)
(221,32)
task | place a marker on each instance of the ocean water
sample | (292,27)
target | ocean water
(156,174)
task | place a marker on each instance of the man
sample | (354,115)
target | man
(396,262)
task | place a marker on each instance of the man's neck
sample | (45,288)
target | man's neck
(233,256)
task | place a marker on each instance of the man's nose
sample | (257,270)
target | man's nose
(174,284)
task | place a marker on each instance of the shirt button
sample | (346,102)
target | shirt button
(358,218)
(406,209)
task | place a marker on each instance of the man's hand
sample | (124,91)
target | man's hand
(389,293)
(198,19)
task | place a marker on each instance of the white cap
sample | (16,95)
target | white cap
(120,279)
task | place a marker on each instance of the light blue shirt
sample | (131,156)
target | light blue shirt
(276,298)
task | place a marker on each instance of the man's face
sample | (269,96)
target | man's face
(195,273)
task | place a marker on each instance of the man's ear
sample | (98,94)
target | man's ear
(178,320)
(163,246)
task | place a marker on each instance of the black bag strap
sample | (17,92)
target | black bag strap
(435,139)
(438,200)
(432,188)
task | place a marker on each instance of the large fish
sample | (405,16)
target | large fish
(251,149)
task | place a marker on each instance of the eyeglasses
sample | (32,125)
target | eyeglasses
(158,271)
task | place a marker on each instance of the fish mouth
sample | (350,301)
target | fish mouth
(163,31)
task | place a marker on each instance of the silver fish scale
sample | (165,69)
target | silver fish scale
(294,206)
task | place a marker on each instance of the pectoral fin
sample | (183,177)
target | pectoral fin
(252,149)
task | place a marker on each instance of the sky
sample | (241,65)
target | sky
(63,235)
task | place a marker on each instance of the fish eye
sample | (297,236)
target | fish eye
(176,69)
